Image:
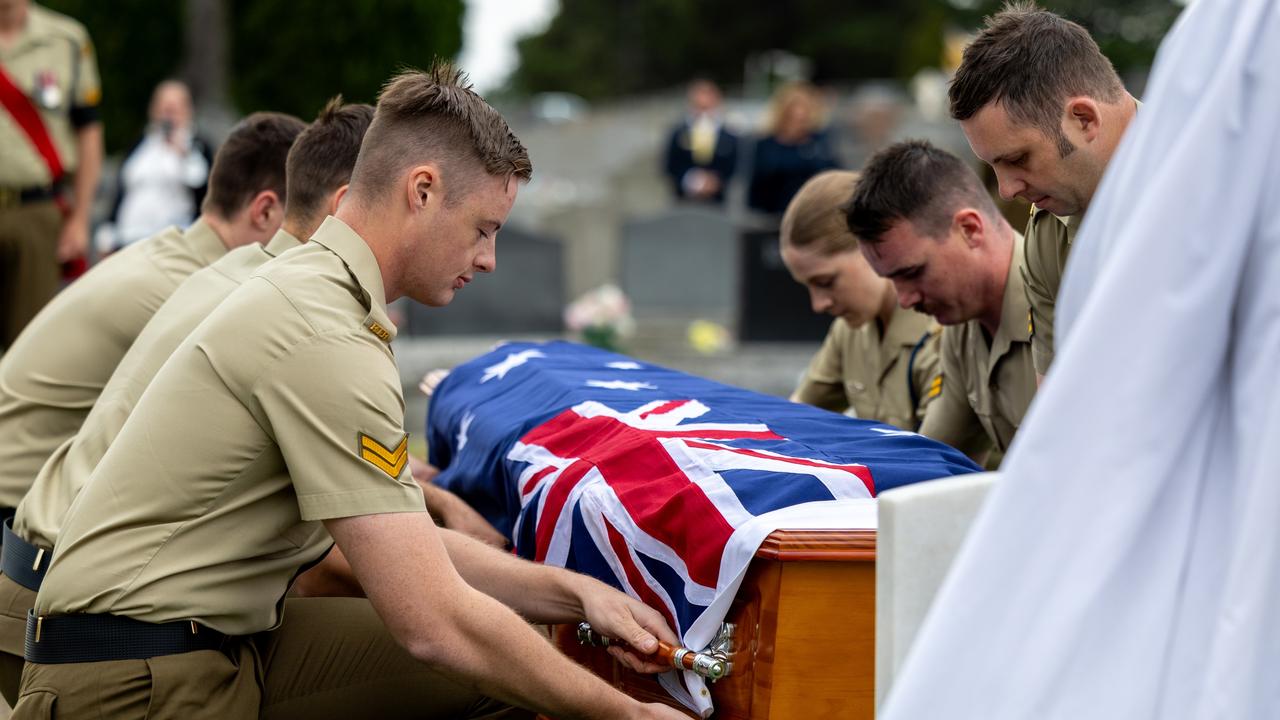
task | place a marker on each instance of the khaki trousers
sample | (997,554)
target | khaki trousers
(29,269)
(330,658)
(15,601)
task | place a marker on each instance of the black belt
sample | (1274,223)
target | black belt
(57,639)
(14,197)
(21,561)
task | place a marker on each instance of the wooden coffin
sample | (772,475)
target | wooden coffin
(804,643)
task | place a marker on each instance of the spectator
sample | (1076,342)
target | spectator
(164,176)
(701,153)
(794,150)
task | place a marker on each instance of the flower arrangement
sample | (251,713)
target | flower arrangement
(601,317)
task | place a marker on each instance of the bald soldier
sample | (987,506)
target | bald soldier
(318,167)
(927,224)
(50,155)
(1042,105)
(275,429)
(55,371)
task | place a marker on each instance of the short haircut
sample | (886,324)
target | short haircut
(815,217)
(323,156)
(250,161)
(1032,60)
(435,116)
(917,182)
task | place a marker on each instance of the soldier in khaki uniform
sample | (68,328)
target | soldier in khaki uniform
(275,429)
(878,360)
(927,224)
(53,374)
(318,167)
(1042,105)
(50,142)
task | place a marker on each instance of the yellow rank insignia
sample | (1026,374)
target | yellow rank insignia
(935,388)
(1031,324)
(383,334)
(385,459)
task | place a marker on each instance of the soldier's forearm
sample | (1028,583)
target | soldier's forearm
(538,592)
(85,183)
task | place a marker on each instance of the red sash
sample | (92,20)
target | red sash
(27,117)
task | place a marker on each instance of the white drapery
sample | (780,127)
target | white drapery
(1128,565)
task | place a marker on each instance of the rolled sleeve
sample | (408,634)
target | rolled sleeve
(336,411)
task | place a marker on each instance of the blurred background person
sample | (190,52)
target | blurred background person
(879,360)
(701,153)
(164,176)
(794,149)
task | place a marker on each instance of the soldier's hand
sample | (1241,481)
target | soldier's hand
(620,616)
(73,239)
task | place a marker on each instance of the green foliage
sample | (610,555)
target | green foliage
(609,48)
(293,56)
(132,56)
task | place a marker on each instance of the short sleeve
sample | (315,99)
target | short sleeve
(334,406)
(823,382)
(926,374)
(1043,254)
(950,419)
(87,93)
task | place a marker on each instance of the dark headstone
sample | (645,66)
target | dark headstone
(681,264)
(524,295)
(774,307)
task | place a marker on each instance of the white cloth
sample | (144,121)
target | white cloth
(1129,564)
(158,182)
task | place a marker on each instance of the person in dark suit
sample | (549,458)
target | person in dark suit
(795,149)
(701,153)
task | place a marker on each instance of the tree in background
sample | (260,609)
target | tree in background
(610,48)
(291,56)
(282,55)
(138,44)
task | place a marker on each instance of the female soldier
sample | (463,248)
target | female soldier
(879,361)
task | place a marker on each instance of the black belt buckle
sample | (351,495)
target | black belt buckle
(21,561)
(81,638)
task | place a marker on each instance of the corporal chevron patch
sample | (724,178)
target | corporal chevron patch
(389,461)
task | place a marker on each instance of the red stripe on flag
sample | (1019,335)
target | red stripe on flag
(654,490)
(537,477)
(553,505)
(638,583)
(664,408)
(859,471)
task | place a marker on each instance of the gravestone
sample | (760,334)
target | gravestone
(681,264)
(774,307)
(524,295)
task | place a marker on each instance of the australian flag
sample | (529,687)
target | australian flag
(659,483)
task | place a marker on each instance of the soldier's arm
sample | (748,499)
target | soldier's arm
(86,95)
(949,418)
(823,382)
(1041,277)
(402,563)
(926,374)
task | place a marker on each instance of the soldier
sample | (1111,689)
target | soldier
(927,224)
(878,360)
(1042,105)
(52,375)
(275,430)
(50,138)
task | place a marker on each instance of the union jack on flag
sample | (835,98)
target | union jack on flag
(657,482)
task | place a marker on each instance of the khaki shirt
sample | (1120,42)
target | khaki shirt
(874,373)
(52,62)
(58,366)
(40,513)
(989,385)
(282,409)
(1048,243)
